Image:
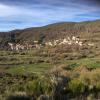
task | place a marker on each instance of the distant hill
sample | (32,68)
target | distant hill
(89,30)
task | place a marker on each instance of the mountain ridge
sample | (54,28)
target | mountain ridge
(86,29)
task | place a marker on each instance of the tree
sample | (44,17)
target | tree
(41,38)
(12,38)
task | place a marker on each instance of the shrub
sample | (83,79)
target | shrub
(98,85)
(37,87)
(33,88)
(73,65)
(76,86)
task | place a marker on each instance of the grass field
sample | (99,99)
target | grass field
(22,62)
(31,62)
(88,62)
(29,68)
(24,74)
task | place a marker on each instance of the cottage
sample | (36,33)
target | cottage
(90,44)
(12,46)
(73,38)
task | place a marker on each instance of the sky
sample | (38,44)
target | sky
(20,14)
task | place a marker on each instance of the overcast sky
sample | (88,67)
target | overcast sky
(19,14)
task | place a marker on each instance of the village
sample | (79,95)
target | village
(36,45)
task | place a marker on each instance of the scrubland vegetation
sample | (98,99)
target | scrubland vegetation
(61,83)
(48,75)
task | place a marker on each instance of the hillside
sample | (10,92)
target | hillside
(66,69)
(88,30)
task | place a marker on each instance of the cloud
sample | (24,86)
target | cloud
(29,13)
(50,2)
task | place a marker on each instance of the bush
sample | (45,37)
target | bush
(98,85)
(76,86)
(37,87)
